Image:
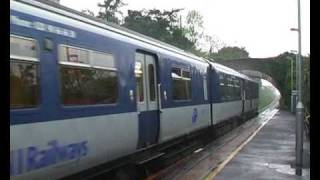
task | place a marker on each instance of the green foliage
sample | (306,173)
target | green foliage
(280,70)
(194,27)
(161,25)
(226,53)
(110,10)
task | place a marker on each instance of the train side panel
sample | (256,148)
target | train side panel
(58,148)
(182,115)
(226,110)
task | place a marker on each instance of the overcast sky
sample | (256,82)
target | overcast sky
(261,26)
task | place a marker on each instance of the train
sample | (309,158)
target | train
(84,92)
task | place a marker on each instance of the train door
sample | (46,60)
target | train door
(147,99)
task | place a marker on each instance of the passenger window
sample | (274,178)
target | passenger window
(151,82)
(222,87)
(230,89)
(139,81)
(181,84)
(94,82)
(237,89)
(74,55)
(24,73)
(23,47)
(102,60)
(205,88)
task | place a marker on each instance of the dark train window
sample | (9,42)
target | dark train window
(24,73)
(181,84)
(151,82)
(87,81)
(82,86)
(222,87)
(237,89)
(230,89)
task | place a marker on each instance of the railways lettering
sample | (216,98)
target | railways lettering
(32,158)
(73,77)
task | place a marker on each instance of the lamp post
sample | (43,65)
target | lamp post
(299,107)
(293,88)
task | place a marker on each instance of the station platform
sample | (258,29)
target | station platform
(262,148)
(269,155)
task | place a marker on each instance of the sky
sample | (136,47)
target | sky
(261,26)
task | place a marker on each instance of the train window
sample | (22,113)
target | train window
(73,55)
(139,77)
(222,87)
(151,82)
(205,88)
(102,60)
(249,91)
(24,73)
(230,91)
(23,47)
(84,86)
(237,89)
(186,74)
(181,84)
(176,72)
(95,83)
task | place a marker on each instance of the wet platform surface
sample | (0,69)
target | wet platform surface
(269,155)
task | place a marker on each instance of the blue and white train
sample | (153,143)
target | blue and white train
(84,93)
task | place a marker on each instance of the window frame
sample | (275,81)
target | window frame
(182,69)
(86,66)
(26,59)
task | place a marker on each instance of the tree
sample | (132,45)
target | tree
(226,53)
(214,43)
(161,25)
(194,26)
(280,69)
(110,10)
(88,12)
(306,85)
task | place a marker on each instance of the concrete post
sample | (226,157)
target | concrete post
(299,138)
(292,96)
(300,108)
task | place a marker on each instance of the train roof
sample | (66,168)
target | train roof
(76,15)
(224,69)
(71,13)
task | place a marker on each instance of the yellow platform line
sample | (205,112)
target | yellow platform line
(217,170)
